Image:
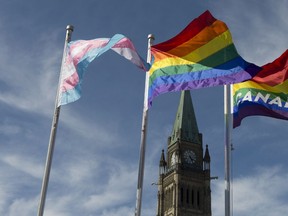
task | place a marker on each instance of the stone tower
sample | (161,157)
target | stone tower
(184,176)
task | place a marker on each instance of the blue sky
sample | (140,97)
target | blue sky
(95,163)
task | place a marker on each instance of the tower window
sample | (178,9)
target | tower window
(192,197)
(198,199)
(187,196)
(181,196)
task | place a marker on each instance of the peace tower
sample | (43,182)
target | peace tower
(184,174)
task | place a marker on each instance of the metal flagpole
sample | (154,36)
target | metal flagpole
(227,146)
(69,30)
(143,134)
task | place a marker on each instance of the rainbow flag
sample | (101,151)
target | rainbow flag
(266,94)
(202,55)
(78,56)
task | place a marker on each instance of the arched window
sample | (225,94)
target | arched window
(187,196)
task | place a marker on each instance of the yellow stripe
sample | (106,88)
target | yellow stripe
(282,88)
(169,62)
(211,47)
(197,55)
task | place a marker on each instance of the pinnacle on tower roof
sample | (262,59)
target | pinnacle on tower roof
(162,159)
(207,155)
(185,126)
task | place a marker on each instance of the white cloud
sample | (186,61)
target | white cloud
(259,39)
(261,194)
(74,187)
(31,83)
(28,207)
(5,195)
(119,212)
(27,165)
(90,129)
(23,207)
(117,191)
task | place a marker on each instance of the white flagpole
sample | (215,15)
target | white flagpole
(69,30)
(227,134)
(143,134)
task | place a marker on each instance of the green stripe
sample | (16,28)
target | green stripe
(254,92)
(218,58)
(224,55)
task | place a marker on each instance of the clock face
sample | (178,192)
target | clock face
(173,158)
(189,157)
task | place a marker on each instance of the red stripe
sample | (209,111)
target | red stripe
(197,25)
(274,73)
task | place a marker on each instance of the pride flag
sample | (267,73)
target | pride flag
(266,94)
(202,55)
(78,56)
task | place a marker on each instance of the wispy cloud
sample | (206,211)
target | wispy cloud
(116,191)
(26,165)
(31,83)
(22,206)
(264,39)
(260,194)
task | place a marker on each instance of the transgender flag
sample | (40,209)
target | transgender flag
(78,56)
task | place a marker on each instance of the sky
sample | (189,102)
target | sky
(95,162)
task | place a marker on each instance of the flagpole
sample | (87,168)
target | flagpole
(69,30)
(143,134)
(227,146)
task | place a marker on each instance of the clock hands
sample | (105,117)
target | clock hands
(192,159)
(190,156)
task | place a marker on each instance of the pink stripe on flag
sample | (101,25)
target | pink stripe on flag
(78,49)
(70,82)
(124,43)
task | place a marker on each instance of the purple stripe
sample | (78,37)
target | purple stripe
(253,109)
(196,84)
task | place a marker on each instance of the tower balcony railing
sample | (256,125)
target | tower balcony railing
(179,167)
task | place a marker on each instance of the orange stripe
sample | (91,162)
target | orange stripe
(203,37)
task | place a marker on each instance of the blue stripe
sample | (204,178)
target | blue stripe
(233,66)
(201,75)
(71,95)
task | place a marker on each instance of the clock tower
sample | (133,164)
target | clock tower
(184,176)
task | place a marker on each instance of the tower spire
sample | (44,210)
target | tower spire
(162,163)
(185,125)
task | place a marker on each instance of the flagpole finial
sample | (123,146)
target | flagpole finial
(151,36)
(70,27)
